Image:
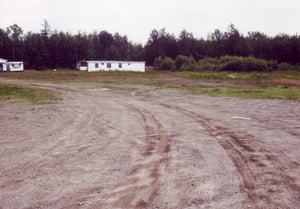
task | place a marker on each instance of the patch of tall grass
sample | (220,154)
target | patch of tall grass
(261,92)
(21,93)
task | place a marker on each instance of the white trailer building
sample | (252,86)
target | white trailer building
(11,66)
(15,66)
(100,65)
(3,65)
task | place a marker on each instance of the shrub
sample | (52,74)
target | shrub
(208,64)
(157,63)
(246,64)
(285,66)
(189,67)
(225,63)
(184,63)
(164,63)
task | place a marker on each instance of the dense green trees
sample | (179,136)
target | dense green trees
(5,45)
(14,42)
(53,49)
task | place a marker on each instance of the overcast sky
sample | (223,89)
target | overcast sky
(136,18)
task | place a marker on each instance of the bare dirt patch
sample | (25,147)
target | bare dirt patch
(286,82)
(119,147)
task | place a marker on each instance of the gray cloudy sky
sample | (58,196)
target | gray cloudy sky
(136,18)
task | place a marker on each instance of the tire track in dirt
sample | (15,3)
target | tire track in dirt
(138,188)
(265,176)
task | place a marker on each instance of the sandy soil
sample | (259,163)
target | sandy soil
(108,147)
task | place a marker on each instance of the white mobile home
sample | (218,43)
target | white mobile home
(11,66)
(15,66)
(95,65)
(3,65)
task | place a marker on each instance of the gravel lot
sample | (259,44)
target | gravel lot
(113,147)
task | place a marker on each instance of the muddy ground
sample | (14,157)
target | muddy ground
(113,147)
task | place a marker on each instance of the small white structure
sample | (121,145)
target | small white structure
(11,66)
(15,66)
(99,65)
(3,65)
(82,65)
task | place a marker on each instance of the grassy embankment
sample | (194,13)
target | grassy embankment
(259,85)
(254,85)
(22,93)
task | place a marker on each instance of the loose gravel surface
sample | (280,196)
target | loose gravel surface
(112,147)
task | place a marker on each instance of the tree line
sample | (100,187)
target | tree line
(53,49)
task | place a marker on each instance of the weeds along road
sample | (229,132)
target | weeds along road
(118,147)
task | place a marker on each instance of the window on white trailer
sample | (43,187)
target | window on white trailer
(120,65)
(108,65)
(16,65)
(96,65)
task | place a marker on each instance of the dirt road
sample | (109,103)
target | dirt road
(109,147)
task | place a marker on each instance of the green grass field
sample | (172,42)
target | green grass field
(254,85)
(61,75)
(259,92)
(31,95)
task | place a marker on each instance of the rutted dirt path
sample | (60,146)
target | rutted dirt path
(264,178)
(138,187)
(149,148)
